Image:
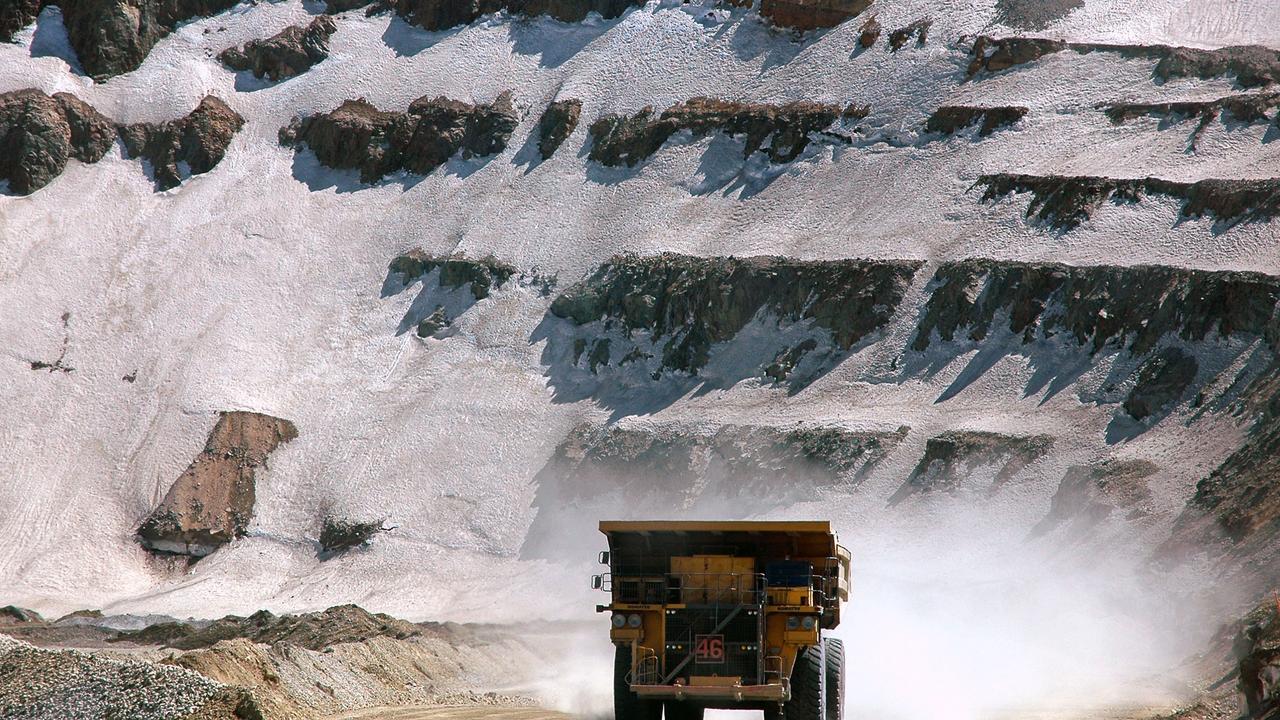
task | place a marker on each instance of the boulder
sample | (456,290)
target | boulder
(290,52)
(212,502)
(557,124)
(197,141)
(41,133)
(918,29)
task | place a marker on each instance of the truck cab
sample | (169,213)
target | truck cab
(725,614)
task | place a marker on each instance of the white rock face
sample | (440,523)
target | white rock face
(263,286)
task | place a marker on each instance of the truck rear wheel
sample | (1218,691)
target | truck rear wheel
(835,679)
(808,687)
(626,704)
(683,711)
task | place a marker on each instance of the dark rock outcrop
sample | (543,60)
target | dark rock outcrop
(12,614)
(339,534)
(557,124)
(39,134)
(1089,494)
(950,119)
(951,457)
(694,302)
(869,33)
(621,140)
(1161,381)
(357,135)
(290,52)
(313,631)
(15,15)
(1251,65)
(804,15)
(483,275)
(1247,109)
(444,14)
(195,143)
(112,37)
(918,29)
(673,470)
(1034,14)
(211,503)
(1064,202)
(1123,307)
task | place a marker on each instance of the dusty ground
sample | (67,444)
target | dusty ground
(458,712)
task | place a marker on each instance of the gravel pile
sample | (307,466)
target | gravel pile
(38,684)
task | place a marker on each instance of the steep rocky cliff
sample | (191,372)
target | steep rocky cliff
(1089,494)
(40,134)
(1064,202)
(190,145)
(212,502)
(357,135)
(16,15)
(628,140)
(290,52)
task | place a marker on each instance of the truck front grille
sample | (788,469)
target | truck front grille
(733,651)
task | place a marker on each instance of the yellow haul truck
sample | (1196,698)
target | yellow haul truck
(725,615)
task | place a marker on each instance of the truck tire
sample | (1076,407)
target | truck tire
(835,678)
(626,705)
(677,710)
(808,687)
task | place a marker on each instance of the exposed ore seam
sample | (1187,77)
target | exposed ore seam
(288,53)
(211,503)
(1064,202)
(697,302)
(1252,65)
(198,141)
(444,14)
(919,30)
(357,135)
(804,15)
(41,133)
(627,140)
(556,124)
(1248,109)
(1124,307)
(950,119)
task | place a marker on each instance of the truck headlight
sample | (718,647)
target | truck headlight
(619,620)
(793,622)
(634,621)
(808,623)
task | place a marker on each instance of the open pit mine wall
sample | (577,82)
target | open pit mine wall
(1171,340)
(113,37)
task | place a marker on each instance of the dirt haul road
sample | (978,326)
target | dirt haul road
(485,712)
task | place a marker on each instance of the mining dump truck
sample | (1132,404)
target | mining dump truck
(725,615)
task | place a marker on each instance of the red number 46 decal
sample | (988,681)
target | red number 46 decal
(708,648)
